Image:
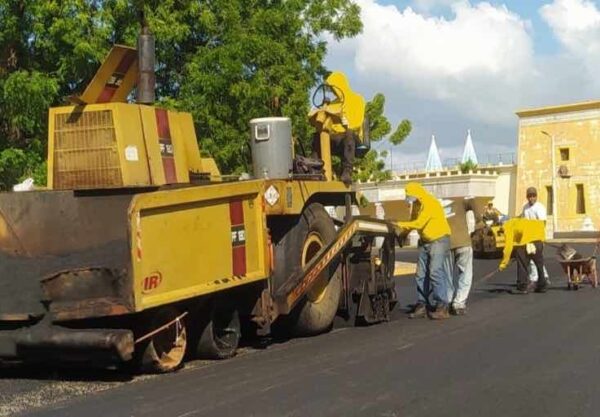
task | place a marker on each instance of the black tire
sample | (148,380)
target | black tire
(220,336)
(316,311)
(164,351)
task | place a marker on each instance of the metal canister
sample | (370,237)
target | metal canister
(271,144)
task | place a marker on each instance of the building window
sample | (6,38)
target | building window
(564,154)
(549,200)
(580,199)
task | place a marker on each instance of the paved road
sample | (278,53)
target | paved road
(530,355)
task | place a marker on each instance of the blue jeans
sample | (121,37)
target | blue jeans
(459,268)
(431,277)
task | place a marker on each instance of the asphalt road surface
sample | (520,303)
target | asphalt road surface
(512,355)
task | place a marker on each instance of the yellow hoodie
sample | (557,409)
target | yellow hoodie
(431,220)
(520,232)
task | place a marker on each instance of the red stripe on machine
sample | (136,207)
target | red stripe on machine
(107,94)
(238,237)
(126,62)
(239,260)
(166,145)
(236,212)
(116,78)
(162,124)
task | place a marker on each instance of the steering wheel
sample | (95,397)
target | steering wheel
(323,89)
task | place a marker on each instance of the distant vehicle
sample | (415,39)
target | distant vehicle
(488,240)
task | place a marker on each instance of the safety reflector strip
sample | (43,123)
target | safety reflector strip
(238,237)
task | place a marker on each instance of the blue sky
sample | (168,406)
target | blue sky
(453,65)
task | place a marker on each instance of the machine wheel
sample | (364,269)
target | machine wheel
(315,313)
(165,350)
(221,334)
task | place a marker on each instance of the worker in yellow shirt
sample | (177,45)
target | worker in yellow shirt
(526,237)
(434,244)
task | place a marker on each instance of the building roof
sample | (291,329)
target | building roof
(469,151)
(563,108)
(434,163)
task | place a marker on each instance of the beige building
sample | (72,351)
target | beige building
(559,154)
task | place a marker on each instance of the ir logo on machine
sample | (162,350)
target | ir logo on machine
(152,282)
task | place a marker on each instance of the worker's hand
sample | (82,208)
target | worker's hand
(502,266)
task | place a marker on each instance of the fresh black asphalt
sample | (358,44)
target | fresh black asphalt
(512,355)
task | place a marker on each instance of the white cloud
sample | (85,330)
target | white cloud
(468,60)
(576,24)
(572,20)
(471,67)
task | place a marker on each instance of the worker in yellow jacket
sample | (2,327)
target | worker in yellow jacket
(526,238)
(434,245)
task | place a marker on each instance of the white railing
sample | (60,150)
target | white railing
(489,160)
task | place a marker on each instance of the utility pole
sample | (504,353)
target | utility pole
(554,190)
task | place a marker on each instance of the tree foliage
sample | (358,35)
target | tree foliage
(467,166)
(371,167)
(226,61)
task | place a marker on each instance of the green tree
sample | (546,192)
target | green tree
(371,167)
(467,166)
(48,49)
(226,61)
(272,57)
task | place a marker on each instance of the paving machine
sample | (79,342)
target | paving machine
(488,240)
(141,252)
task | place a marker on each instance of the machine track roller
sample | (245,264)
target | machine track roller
(316,312)
(221,334)
(165,350)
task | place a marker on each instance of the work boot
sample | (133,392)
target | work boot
(458,311)
(440,313)
(519,291)
(541,289)
(419,311)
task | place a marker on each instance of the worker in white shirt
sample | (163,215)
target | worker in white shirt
(534,210)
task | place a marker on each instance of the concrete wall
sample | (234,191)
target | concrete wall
(496,182)
(576,128)
(506,183)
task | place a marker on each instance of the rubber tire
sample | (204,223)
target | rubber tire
(148,360)
(210,345)
(308,318)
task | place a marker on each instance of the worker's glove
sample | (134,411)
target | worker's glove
(502,266)
(530,249)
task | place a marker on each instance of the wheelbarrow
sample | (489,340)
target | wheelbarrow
(578,269)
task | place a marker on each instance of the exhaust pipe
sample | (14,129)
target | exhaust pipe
(146,60)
